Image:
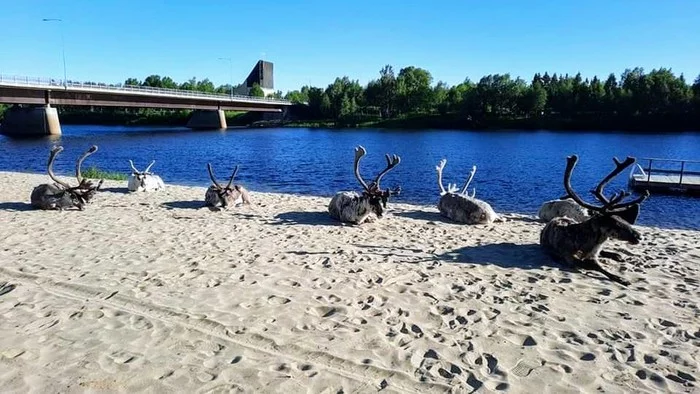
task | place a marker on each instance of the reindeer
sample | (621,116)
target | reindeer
(351,207)
(461,207)
(565,206)
(225,197)
(580,244)
(60,195)
(144,180)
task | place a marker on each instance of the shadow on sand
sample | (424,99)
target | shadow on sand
(424,215)
(190,204)
(310,218)
(15,206)
(118,190)
(506,255)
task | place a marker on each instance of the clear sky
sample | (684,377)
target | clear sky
(313,41)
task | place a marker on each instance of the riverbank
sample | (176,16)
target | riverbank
(153,292)
(671,122)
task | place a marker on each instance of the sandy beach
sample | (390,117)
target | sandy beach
(155,293)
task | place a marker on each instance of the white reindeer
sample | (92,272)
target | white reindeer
(144,181)
(461,207)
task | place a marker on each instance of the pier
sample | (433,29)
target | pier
(681,179)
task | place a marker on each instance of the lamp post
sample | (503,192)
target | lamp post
(231,71)
(63,47)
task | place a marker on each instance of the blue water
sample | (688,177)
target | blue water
(517,171)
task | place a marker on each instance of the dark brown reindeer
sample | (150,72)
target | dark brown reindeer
(60,195)
(218,197)
(580,244)
(351,207)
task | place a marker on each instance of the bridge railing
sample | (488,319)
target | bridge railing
(16,80)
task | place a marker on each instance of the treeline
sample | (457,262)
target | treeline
(204,85)
(636,98)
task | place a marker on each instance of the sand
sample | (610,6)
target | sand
(154,293)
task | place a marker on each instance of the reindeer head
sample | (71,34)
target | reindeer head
(83,193)
(614,216)
(141,175)
(377,197)
(452,187)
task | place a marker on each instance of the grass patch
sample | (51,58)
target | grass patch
(95,173)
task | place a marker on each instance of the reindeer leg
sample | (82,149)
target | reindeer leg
(593,265)
(611,255)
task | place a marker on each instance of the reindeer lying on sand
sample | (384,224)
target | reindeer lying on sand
(351,207)
(60,195)
(145,180)
(562,207)
(218,197)
(567,206)
(461,207)
(580,243)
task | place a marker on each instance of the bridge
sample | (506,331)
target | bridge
(39,96)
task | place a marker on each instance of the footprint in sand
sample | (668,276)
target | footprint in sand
(524,367)
(276,300)
(326,311)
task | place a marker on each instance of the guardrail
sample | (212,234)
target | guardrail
(14,80)
(683,172)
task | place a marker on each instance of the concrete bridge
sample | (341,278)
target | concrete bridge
(40,96)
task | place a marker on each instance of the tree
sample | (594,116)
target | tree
(168,83)
(191,84)
(256,91)
(413,90)
(132,82)
(153,81)
(205,85)
(696,96)
(275,95)
(439,96)
(298,97)
(499,94)
(534,99)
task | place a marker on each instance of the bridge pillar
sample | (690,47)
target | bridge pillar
(207,119)
(31,121)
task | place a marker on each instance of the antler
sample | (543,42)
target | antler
(610,205)
(466,185)
(391,162)
(619,167)
(211,175)
(439,168)
(52,156)
(359,153)
(85,155)
(133,169)
(230,181)
(570,164)
(149,167)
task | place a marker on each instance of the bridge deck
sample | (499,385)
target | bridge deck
(25,90)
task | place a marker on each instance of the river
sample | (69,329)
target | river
(517,171)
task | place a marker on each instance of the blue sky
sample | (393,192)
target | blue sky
(313,41)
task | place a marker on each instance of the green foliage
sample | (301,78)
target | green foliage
(3,108)
(256,91)
(633,100)
(95,173)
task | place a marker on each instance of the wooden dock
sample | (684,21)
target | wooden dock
(665,180)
